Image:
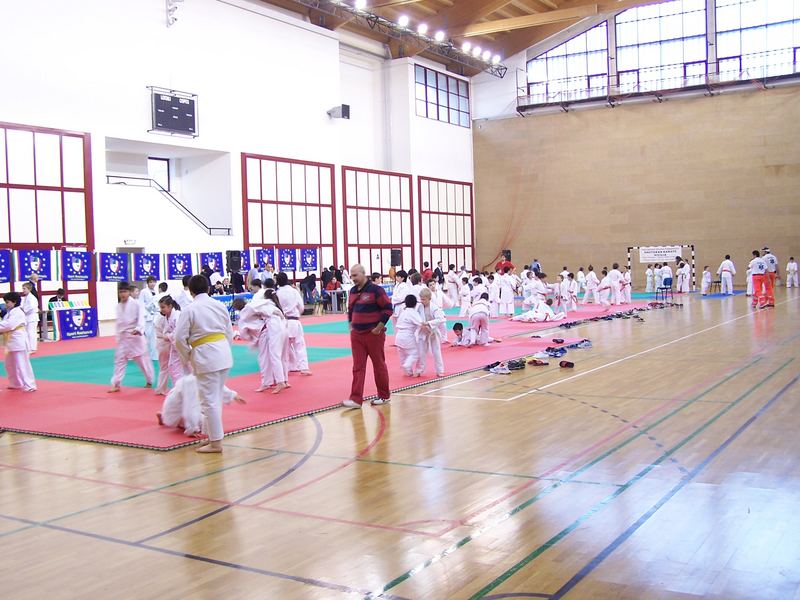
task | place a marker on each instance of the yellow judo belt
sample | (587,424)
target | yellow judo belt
(207,339)
(7,334)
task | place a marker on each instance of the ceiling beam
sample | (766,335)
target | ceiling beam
(390,3)
(465,12)
(535,20)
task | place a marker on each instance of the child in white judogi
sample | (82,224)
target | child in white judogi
(506,300)
(591,287)
(292,305)
(494,296)
(683,273)
(30,306)
(429,336)
(464,297)
(442,301)
(148,300)
(749,277)
(580,277)
(540,312)
(478,289)
(15,337)
(401,289)
(408,324)
(615,279)
(658,278)
(527,285)
(561,295)
(666,276)
(605,289)
(626,285)
(648,275)
(184,298)
(170,364)
(573,289)
(467,336)
(263,323)
(791,273)
(479,319)
(451,284)
(130,339)
(705,284)
(181,407)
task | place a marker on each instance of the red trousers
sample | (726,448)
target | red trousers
(758,289)
(368,345)
(769,287)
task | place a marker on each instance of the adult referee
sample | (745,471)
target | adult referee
(368,311)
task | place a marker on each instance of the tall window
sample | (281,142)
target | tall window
(441,97)
(757,38)
(575,70)
(158,171)
(662,46)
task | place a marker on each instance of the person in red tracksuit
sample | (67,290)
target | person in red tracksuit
(368,311)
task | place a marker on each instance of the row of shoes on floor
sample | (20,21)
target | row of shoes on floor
(539,359)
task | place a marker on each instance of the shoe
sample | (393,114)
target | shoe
(558,341)
(536,336)
(379,401)
(500,369)
(584,344)
(351,404)
(516,365)
(565,364)
(538,363)
(541,355)
(491,366)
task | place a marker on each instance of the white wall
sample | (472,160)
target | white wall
(496,98)
(205,187)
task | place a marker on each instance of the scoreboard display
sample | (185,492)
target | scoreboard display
(174,113)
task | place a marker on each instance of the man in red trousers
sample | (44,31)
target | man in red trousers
(368,311)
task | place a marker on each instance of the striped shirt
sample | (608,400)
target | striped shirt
(367,307)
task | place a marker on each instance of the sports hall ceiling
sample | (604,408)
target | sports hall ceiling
(504,27)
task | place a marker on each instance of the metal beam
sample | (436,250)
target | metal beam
(390,3)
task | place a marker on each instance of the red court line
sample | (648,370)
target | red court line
(364,451)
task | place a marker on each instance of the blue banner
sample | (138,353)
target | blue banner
(288,258)
(34,261)
(265,255)
(214,261)
(179,265)
(75,323)
(5,266)
(76,265)
(308,259)
(146,265)
(245,260)
(113,266)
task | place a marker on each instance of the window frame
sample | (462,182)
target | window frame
(438,98)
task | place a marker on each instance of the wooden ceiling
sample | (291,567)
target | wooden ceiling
(503,27)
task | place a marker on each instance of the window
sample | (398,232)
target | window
(757,38)
(158,171)
(661,46)
(441,97)
(575,70)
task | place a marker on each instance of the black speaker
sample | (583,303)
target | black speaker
(507,254)
(397,258)
(233,261)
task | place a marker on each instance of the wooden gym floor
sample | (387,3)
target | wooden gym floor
(664,466)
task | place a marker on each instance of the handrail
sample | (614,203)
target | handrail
(152,183)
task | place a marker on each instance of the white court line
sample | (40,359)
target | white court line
(456,397)
(549,385)
(455,384)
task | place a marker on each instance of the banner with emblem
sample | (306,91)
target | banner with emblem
(214,261)
(34,261)
(265,255)
(245,260)
(146,265)
(113,266)
(5,266)
(179,265)
(308,259)
(75,323)
(288,258)
(76,265)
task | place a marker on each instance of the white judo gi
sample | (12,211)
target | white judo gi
(648,275)
(406,329)
(30,306)
(591,288)
(705,284)
(464,299)
(506,300)
(580,277)
(479,321)
(431,341)
(401,290)
(626,287)
(292,305)
(170,364)
(148,300)
(131,344)
(263,324)
(791,274)
(18,362)
(451,283)
(539,313)
(181,407)
(615,280)
(203,338)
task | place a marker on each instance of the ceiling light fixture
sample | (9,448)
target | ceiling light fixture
(403,21)
(422,28)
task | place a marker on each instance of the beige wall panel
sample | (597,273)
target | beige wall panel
(579,188)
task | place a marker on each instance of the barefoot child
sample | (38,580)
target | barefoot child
(181,407)
(15,337)
(430,332)
(130,341)
(170,364)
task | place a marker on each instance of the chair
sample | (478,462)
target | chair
(664,291)
(715,284)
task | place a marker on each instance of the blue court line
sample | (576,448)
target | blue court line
(205,559)
(623,537)
(307,456)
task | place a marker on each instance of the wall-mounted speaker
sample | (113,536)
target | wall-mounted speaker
(233,260)
(397,258)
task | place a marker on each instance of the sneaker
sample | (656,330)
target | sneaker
(584,344)
(491,366)
(541,355)
(538,363)
(500,369)
(516,365)
(558,341)
(378,401)
(351,404)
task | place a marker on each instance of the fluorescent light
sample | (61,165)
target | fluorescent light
(422,28)
(465,47)
(403,21)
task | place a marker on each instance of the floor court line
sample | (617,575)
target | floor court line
(457,383)
(658,347)
(453,397)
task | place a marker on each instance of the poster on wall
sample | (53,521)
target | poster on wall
(649,254)
(179,265)
(265,255)
(34,261)
(76,323)
(146,265)
(76,265)
(113,266)
(288,258)
(308,259)
(213,260)
(245,260)
(5,266)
